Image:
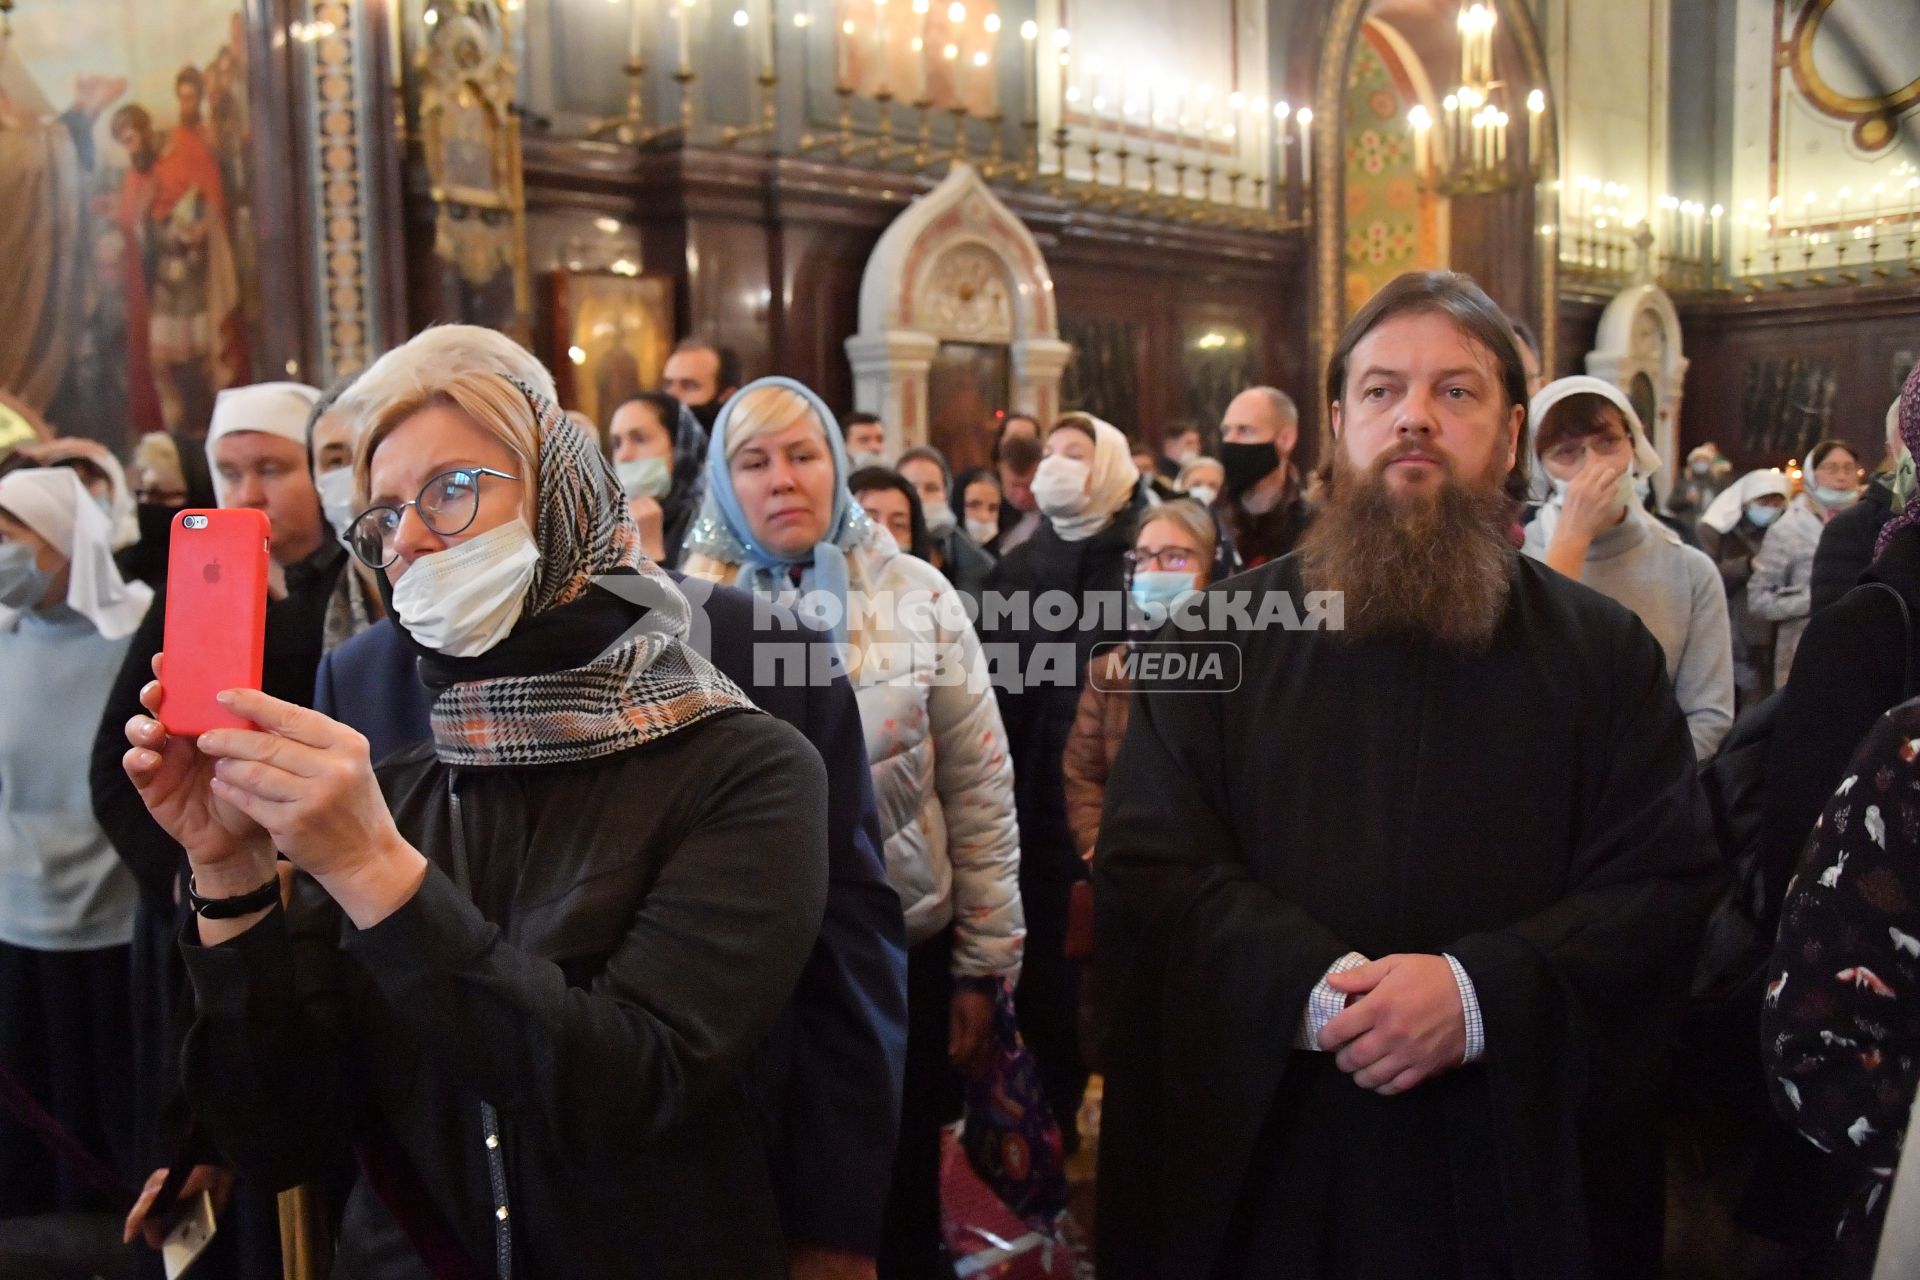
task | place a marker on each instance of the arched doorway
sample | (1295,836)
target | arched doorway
(957,321)
(1340,42)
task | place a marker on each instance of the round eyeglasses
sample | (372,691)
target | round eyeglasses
(1171,559)
(447,505)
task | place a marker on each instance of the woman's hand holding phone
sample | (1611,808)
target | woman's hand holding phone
(300,784)
(229,852)
(308,781)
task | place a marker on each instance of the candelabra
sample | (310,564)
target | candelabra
(630,126)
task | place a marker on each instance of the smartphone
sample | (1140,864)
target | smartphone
(190,1236)
(216,616)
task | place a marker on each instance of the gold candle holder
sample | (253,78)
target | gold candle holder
(1093,165)
(1123,156)
(732,135)
(630,126)
(1840,254)
(923,149)
(844,134)
(996,149)
(883,145)
(1060,140)
(684,78)
(960,116)
(1029,151)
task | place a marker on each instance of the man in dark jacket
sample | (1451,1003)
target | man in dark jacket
(1264,510)
(838,1104)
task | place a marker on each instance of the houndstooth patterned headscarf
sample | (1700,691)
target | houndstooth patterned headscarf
(648,685)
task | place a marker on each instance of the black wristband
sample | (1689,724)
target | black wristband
(265,896)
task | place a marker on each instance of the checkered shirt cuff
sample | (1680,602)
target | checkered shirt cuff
(1470,1005)
(1324,1004)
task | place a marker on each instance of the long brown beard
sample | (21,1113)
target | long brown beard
(1435,564)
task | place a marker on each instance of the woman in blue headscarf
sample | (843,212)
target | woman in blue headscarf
(778,520)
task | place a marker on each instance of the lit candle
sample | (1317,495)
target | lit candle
(1452,107)
(1284,180)
(680,19)
(1420,121)
(1030,39)
(765,33)
(1714,247)
(1306,149)
(920,8)
(636,28)
(1204,134)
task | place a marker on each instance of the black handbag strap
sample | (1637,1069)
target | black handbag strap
(1906,633)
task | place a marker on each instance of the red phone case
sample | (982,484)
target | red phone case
(216,616)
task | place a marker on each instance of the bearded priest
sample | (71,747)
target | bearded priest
(1397,928)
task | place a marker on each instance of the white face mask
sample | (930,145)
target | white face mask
(982,531)
(464,600)
(645,477)
(939,514)
(855,461)
(1204,494)
(336,498)
(1060,486)
(1623,491)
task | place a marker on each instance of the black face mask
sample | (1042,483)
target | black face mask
(705,414)
(1246,465)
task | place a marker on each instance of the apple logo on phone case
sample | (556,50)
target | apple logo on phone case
(212,572)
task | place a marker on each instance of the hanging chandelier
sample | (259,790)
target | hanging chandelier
(1470,150)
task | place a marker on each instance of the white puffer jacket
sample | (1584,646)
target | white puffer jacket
(942,777)
(1781,588)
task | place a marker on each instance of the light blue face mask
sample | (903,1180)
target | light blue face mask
(1834,499)
(1760,515)
(1157,591)
(23,583)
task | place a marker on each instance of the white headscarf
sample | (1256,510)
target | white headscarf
(54,503)
(123,514)
(1646,460)
(1110,487)
(273,408)
(1725,510)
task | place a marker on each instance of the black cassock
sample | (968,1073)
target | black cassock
(1531,811)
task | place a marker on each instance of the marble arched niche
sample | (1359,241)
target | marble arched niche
(955,266)
(1638,349)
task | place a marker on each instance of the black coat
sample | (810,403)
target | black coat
(1375,795)
(1846,545)
(839,1101)
(1039,717)
(1850,669)
(966,564)
(598,953)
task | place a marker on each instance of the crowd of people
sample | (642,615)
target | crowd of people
(650,831)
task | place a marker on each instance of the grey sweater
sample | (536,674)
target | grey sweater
(1676,591)
(62,887)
